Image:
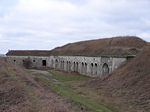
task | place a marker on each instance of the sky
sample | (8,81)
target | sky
(46,24)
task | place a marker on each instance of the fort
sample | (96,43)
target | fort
(90,66)
(92,58)
(117,70)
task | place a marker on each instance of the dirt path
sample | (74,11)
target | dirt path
(47,100)
(20,91)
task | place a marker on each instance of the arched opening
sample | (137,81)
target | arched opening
(77,66)
(105,69)
(74,66)
(82,67)
(69,66)
(95,70)
(43,62)
(85,68)
(56,63)
(92,65)
(63,65)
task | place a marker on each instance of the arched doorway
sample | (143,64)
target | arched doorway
(56,64)
(63,65)
(77,66)
(85,68)
(44,63)
(92,66)
(82,67)
(74,66)
(69,66)
(95,69)
(105,69)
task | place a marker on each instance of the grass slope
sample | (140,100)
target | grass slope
(130,83)
(127,45)
(19,92)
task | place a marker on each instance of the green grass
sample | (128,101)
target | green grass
(77,98)
(57,82)
(67,77)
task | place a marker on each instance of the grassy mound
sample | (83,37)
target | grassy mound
(128,45)
(130,82)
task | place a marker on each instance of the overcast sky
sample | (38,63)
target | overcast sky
(45,24)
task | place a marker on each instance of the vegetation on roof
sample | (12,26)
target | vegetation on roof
(28,53)
(128,45)
(115,46)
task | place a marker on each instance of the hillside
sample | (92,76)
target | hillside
(128,45)
(115,46)
(11,92)
(20,92)
(130,84)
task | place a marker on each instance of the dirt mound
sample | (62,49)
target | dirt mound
(109,46)
(130,82)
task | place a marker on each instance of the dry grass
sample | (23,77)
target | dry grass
(28,53)
(19,92)
(129,86)
(65,85)
(109,46)
(127,45)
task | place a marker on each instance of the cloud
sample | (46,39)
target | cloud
(45,24)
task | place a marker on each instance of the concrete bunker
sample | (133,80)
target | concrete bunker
(89,66)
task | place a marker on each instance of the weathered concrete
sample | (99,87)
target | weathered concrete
(35,61)
(90,66)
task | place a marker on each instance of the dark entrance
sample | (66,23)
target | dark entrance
(44,62)
(105,69)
